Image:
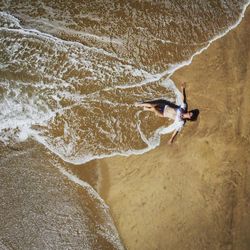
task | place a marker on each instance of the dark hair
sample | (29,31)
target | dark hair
(195,114)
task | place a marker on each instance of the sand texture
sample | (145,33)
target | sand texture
(193,194)
(42,209)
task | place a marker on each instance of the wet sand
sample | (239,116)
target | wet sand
(195,193)
(42,209)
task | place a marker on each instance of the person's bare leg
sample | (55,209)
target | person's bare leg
(153,109)
(157,112)
(146,105)
(150,107)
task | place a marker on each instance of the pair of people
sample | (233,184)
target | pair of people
(179,114)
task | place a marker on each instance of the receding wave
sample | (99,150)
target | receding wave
(71,73)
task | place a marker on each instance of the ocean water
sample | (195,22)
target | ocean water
(71,71)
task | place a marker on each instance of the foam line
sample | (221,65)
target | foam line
(175,67)
(143,137)
(105,208)
(57,40)
(86,158)
(155,140)
(152,142)
(12,18)
(58,26)
(81,183)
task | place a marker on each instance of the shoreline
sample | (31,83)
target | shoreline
(195,193)
(173,68)
(205,171)
(46,207)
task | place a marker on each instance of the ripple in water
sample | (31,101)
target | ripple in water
(70,73)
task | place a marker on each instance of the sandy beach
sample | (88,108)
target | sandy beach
(193,194)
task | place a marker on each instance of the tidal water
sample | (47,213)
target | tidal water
(72,71)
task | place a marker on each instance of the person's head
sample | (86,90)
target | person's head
(191,115)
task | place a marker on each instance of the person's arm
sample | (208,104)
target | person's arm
(173,136)
(183,86)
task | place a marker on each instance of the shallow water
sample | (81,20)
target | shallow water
(71,71)
(41,209)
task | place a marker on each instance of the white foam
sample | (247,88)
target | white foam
(13,19)
(61,26)
(154,141)
(83,184)
(175,67)
(46,36)
(109,231)
(24,124)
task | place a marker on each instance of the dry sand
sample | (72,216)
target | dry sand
(195,193)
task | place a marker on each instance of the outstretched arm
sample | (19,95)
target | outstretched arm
(183,86)
(173,136)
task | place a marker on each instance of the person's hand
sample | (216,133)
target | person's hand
(183,85)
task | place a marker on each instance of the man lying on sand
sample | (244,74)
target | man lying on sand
(179,114)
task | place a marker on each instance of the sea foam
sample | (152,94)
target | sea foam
(29,113)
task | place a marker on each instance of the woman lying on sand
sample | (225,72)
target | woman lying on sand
(179,114)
